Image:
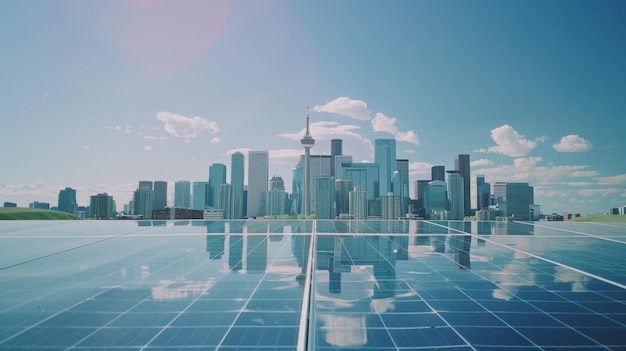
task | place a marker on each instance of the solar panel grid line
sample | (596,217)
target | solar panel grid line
(580,233)
(138,303)
(66,309)
(304,340)
(226,334)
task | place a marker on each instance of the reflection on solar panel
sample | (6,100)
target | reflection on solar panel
(317,285)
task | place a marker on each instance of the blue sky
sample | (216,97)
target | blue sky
(97,95)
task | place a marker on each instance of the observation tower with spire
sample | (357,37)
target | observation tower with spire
(307,143)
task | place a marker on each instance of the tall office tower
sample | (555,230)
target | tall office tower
(217,177)
(307,143)
(358,203)
(462,164)
(276,201)
(143,199)
(160,195)
(200,195)
(182,194)
(513,200)
(401,184)
(343,187)
(435,199)
(226,200)
(438,173)
(339,161)
(258,180)
(102,206)
(319,166)
(456,200)
(325,198)
(385,158)
(236,179)
(363,175)
(335,150)
(277,183)
(145,184)
(67,201)
(419,187)
(483,192)
(297,178)
(390,206)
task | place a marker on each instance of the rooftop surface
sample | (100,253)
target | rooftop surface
(273,285)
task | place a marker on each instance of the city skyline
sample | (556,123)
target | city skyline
(98,96)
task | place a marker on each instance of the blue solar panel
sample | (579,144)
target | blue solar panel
(374,285)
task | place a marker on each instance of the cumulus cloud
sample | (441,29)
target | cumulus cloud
(527,161)
(572,143)
(382,123)
(149,137)
(185,127)
(216,140)
(509,142)
(345,106)
(584,174)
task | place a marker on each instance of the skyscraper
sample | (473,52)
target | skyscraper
(462,164)
(363,175)
(182,194)
(343,187)
(226,200)
(67,201)
(325,198)
(200,195)
(385,158)
(438,173)
(483,192)
(358,203)
(335,150)
(217,177)
(456,200)
(276,200)
(102,206)
(435,199)
(401,184)
(237,180)
(160,195)
(258,180)
(143,198)
(307,143)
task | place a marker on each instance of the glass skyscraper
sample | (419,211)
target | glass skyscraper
(363,175)
(456,198)
(217,177)
(258,180)
(435,198)
(385,158)
(237,180)
(325,198)
(160,195)
(462,164)
(200,195)
(67,201)
(182,194)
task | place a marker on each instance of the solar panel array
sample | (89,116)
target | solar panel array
(260,285)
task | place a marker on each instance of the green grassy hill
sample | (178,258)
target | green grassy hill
(600,218)
(19,213)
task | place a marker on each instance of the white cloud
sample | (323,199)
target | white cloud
(147,148)
(619,179)
(480,163)
(185,127)
(584,174)
(216,140)
(118,128)
(148,137)
(509,142)
(86,147)
(604,192)
(285,156)
(128,130)
(382,123)
(526,161)
(325,130)
(345,106)
(572,143)
(408,151)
